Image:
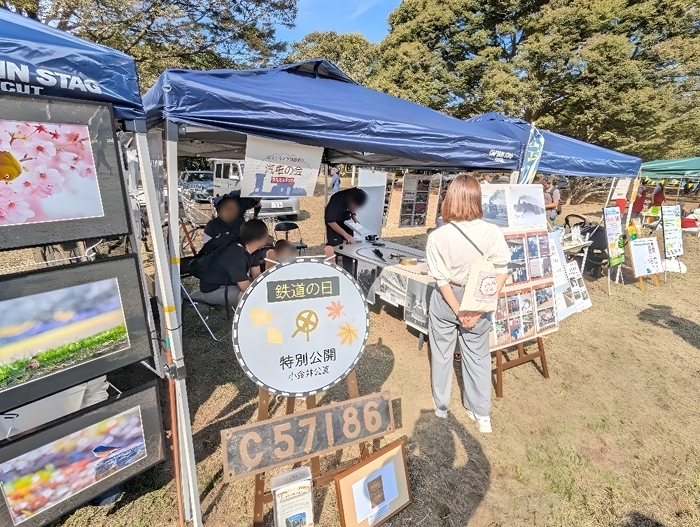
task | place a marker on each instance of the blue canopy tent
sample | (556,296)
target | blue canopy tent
(36,59)
(563,155)
(315,103)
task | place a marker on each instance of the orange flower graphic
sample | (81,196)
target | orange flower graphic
(335,310)
(348,333)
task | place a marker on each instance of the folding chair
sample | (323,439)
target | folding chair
(196,300)
(289,226)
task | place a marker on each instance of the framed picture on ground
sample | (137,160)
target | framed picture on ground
(62,326)
(51,472)
(60,177)
(375,489)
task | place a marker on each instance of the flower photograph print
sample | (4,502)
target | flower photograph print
(47,173)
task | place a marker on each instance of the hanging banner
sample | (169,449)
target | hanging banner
(279,169)
(646,258)
(613,230)
(371,214)
(673,233)
(300,327)
(621,189)
(533,154)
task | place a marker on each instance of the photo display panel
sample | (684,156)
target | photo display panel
(64,325)
(49,473)
(60,177)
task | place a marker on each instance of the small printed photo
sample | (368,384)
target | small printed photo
(584,294)
(515,327)
(419,221)
(544,244)
(502,332)
(527,206)
(406,208)
(569,299)
(423,185)
(533,247)
(493,203)
(409,196)
(526,302)
(544,297)
(298,520)
(516,245)
(518,272)
(546,318)
(422,197)
(514,305)
(375,489)
(421,208)
(528,326)
(536,268)
(547,267)
(501,308)
(405,221)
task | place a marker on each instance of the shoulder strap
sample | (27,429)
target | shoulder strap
(467,237)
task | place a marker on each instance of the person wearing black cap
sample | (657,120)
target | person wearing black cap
(341,207)
(230,209)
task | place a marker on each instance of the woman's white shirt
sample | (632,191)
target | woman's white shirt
(449,255)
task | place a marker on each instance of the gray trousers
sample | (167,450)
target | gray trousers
(218,297)
(445,331)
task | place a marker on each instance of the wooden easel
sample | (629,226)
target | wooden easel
(522,359)
(261,496)
(654,280)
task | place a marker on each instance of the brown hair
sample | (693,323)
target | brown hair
(463,200)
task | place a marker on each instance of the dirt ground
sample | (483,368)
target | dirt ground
(611,439)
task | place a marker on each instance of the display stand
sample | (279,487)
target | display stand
(263,497)
(522,359)
(654,280)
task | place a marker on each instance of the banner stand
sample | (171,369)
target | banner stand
(175,370)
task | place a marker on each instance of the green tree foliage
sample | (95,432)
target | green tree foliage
(160,34)
(620,73)
(352,52)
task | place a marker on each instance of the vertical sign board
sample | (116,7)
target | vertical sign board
(673,233)
(277,169)
(371,215)
(646,258)
(414,200)
(613,230)
(621,189)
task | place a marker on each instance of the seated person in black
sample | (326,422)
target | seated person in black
(230,210)
(341,207)
(229,274)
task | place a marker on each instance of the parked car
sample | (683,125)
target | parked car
(227,178)
(197,184)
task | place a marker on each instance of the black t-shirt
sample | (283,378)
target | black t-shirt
(337,211)
(233,262)
(217,227)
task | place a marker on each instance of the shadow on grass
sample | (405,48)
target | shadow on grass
(663,317)
(636,519)
(449,473)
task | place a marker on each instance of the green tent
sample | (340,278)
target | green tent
(686,169)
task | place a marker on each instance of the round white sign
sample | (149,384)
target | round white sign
(300,327)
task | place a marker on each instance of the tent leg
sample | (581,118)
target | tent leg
(160,257)
(171,137)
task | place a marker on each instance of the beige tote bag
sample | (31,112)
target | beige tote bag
(481,289)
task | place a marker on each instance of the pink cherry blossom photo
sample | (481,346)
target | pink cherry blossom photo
(47,173)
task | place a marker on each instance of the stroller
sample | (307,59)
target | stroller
(598,256)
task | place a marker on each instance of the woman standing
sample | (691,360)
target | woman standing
(659,195)
(450,252)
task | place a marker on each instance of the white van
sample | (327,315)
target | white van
(227,178)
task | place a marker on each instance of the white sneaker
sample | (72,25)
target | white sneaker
(442,414)
(483,423)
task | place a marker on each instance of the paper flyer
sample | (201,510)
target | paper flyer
(293,498)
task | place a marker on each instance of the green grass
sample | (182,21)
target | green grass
(72,352)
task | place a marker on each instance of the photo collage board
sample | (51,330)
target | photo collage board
(414,200)
(526,307)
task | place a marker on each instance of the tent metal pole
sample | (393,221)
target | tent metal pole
(173,338)
(681,184)
(352,180)
(171,138)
